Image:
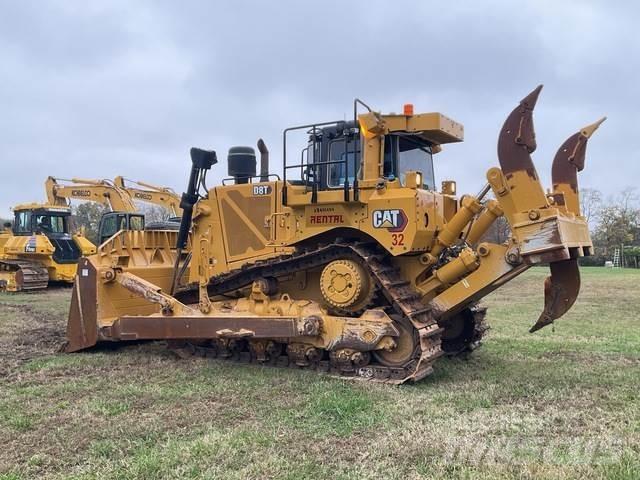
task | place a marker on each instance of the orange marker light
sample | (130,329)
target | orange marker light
(408,108)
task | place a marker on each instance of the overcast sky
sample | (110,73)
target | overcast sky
(98,89)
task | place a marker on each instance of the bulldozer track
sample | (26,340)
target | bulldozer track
(402,300)
(480,327)
(32,276)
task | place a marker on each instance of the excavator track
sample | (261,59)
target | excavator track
(402,303)
(27,275)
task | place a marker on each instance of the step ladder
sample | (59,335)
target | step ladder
(616,258)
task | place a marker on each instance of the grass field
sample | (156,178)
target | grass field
(555,404)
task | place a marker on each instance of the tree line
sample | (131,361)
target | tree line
(615,224)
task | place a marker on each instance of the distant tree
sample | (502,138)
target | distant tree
(87,216)
(590,203)
(4,221)
(618,222)
(153,213)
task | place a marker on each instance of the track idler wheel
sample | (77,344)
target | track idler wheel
(407,344)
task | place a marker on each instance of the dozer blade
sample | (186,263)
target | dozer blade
(561,289)
(569,160)
(82,328)
(517,138)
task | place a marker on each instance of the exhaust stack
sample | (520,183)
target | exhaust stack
(264,161)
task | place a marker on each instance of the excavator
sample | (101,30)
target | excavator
(39,248)
(124,214)
(350,262)
(146,192)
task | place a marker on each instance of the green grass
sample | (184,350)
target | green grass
(561,403)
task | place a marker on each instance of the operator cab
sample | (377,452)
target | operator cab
(55,224)
(331,159)
(112,222)
(47,221)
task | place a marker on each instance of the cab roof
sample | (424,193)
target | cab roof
(42,206)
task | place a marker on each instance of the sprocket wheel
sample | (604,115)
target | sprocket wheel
(346,286)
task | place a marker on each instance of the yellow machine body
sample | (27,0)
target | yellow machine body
(31,258)
(375,277)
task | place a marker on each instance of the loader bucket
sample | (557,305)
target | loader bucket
(548,228)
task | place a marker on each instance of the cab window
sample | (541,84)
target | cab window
(109,226)
(136,223)
(22,223)
(51,223)
(337,172)
(413,156)
(403,154)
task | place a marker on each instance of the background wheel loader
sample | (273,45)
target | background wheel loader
(351,263)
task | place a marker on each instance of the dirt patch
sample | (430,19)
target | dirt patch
(33,334)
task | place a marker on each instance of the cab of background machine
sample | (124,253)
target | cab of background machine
(53,222)
(113,222)
(44,229)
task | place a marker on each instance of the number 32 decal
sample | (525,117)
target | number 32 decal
(397,239)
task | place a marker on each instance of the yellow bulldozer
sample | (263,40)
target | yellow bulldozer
(39,247)
(351,262)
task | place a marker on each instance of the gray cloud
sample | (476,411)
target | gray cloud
(127,87)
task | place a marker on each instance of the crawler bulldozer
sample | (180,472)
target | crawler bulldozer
(39,248)
(351,262)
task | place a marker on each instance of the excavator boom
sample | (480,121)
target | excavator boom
(61,191)
(148,193)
